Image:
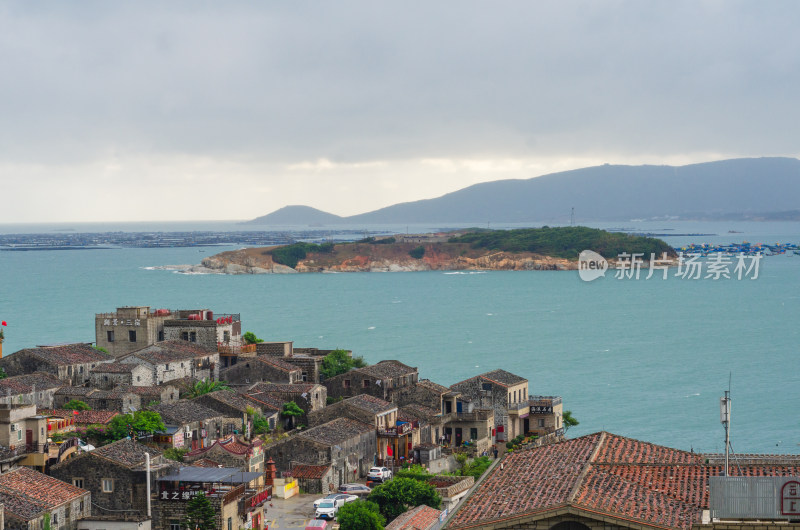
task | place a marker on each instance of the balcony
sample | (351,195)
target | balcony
(399,430)
(254,498)
(519,407)
(235,348)
(475,415)
(543,404)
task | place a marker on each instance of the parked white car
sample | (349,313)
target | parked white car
(327,509)
(338,499)
(379,473)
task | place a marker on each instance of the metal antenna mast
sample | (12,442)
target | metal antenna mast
(725,419)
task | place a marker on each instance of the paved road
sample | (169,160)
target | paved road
(292,513)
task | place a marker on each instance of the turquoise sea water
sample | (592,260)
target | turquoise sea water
(642,358)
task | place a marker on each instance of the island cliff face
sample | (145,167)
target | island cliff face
(382,258)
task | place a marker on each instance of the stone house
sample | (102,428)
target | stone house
(22,428)
(29,497)
(37,388)
(308,396)
(347,445)
(200,425)
(171,360)
(233,404)
(396,436)
(203,327)
(425,392)
(108,375)
(471,424)
(313,479)
(503,392)
(68,362)
(381,380)
(264,368)
(238,498)
(231,452)
(116,475)
(65,394)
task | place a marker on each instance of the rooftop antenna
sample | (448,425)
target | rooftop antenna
(572,217)
(725,419)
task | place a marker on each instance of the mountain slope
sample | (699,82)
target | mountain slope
(609,192)
(296,215)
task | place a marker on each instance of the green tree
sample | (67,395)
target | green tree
(417,252)
(568,420)
(200,514)
(205,387)
(260,423)
(291,410)
(360,515)
(250,338)
(3,373)
(76,404)
(131,425)
(400,494)
(339,362)
(174,453)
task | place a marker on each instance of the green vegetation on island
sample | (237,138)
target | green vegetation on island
(564,242)
(289,255)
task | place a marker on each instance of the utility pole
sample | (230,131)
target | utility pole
(725,419)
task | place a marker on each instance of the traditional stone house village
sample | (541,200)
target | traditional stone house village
(115,474)
(233,404)
(127,399)
(200,425)
(37,388)
(503,392)
(381,380)
(264,368)
(396,437)
(231,452)
(108,375)
(173,360)
(65,394)
(307,396)
(29,497)
(347,445)
(68,362)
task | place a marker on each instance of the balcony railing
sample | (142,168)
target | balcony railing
(233,494)
(552,401)
(235,348)
(519,405)
(399,430)
(254,499)
(475,415)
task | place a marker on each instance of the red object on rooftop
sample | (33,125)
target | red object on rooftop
(162,312)
(209,315)
(4,323)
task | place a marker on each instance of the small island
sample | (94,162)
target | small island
(464,250)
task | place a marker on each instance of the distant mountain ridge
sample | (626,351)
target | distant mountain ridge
(748,188)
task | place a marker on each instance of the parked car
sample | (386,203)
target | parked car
(355,489)
(327,509)
(380,474)
(338,499)
(317,524)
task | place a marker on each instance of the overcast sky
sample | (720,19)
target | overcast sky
(114,111)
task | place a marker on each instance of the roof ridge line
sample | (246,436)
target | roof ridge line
(585,470)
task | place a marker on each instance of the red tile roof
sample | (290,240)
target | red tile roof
(82,417)
(419,518)
(205,462)
(26,493)
(310,472)
(609,475)
(66,354)
(171,351)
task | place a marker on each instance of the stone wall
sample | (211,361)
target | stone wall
(280,349)
(419,394)
(354,383)
(248,371)
(309,366)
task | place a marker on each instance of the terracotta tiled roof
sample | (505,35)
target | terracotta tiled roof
(369,403)
(606,474)
(419,518)
(171,351)
(230,444)
(265,401)
(128,453)
(434,387)
(310,472)
(25,383)
(336,431)
(83,416)
(228,397)
(146,390)
(388,369)
(66,354)
(420,411)
(26,493)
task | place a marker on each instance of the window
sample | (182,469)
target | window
(138,378)
(78,483)
(184,335)
(473,433)
(19,435)
(105,378)
(181,365)
(346,383)
(541,423)
(110,335)
(486,386)
(167,368)
(55,519)
(174,525)
(230,523)
(226,336)
(132,335)
(108,485)
(366,383)
(192,337)
(80,371)
(160,336)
